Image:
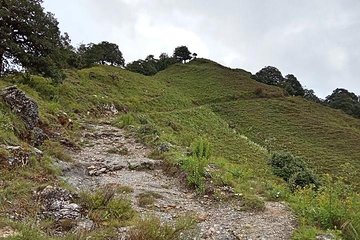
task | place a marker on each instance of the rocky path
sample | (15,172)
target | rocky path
(112,157)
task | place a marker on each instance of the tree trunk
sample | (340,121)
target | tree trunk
(1,63)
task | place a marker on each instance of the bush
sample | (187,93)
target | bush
(293,170)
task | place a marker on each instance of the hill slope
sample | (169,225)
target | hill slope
(200,101)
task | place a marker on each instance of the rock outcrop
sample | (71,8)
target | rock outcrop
(58,203)
(27,109)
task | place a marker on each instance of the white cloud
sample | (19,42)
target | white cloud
(315,40)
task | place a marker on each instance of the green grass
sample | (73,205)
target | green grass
(325,137)
(241,120)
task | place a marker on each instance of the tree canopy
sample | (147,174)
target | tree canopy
(151,65)
(269,75)
(310,95)
(344,100)
(182,54)
(30,37)
(293,86)
(102,53)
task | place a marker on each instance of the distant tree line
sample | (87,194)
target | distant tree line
(151,65)
(30,39)
(340,98)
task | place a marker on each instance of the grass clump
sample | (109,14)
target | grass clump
(104,207)
(124,120)
(252,203)
(153,229)
(194,165)
(147,198)
(119,151)
(56,150)
(334,206)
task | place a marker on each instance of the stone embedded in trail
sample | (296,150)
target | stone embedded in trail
(325,237)
(27,109)
(58,203)
(140,164)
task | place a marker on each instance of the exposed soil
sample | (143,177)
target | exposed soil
(110,156)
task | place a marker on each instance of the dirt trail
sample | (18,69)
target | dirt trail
(97,164)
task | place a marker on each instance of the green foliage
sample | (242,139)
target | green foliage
(55,149)
(293,170)
(31,38)
(153,229)
(195,165)
(293,86)
(195,171)
(101,53)
(146,199)
(150,66)
(105,207)
(333,206)
(182,54)
(124,120)
(201,149)
(309,94)
(344,100)
(308,232)
(269,75)
(253,203)
(325,137)
(26,230)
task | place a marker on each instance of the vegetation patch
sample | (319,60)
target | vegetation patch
(293,170)
(147,199)
(153,229)
(104,208)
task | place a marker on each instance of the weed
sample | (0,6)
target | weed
(147,199)
(104,207)
(124,120)
(201,149)
(56,150)
(333,206)
(121,151)
(252,203)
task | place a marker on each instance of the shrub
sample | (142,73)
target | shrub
(293,170)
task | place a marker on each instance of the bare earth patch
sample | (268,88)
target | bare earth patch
(98,164)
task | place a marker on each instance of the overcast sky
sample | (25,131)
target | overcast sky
(316,40)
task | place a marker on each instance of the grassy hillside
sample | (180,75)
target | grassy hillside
(240,118)
(327,138)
